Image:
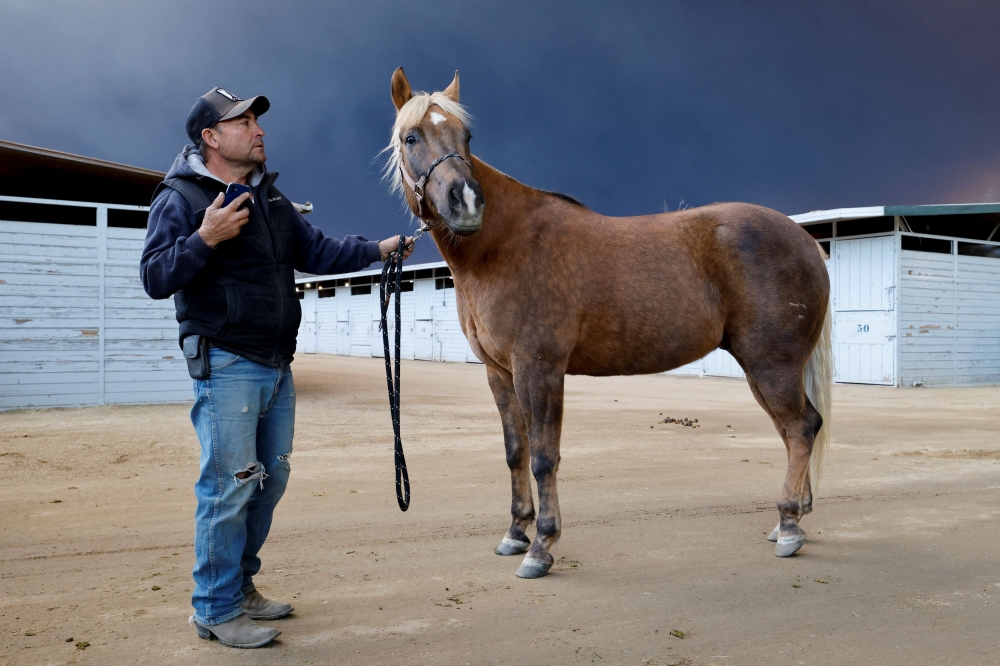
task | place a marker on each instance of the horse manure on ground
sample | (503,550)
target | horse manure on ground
(686,422)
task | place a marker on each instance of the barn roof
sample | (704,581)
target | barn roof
(302,278)
(29,171)
(890,211)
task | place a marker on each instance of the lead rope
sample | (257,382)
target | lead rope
(391,285)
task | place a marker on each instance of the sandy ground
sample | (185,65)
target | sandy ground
(663,530)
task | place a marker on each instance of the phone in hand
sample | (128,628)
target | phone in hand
(234,190)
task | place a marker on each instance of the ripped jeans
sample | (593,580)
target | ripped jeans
(244,414)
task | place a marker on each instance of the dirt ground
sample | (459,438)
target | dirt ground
(663,531)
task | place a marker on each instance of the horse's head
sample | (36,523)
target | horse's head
(429,159)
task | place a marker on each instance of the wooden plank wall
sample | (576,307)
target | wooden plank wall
(927,318)
(950,316)
(977,316)
(142,359)
(49,315)
(76,327)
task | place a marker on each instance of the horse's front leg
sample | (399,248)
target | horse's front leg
(540,393)
(515,439)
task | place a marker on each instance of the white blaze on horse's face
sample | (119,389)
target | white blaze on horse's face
(470,199)
(437,118)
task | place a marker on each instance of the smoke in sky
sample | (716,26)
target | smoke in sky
(624,105)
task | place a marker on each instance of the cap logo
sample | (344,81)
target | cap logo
(228,95)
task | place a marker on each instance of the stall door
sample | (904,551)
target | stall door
(423,325)
(864,310)
(378,344)
(307,331)
(343,299)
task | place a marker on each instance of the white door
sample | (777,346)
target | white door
(423,298)
(423,340)
(307,332)
(423,326)
(343,299)
(378,347)
(864,310)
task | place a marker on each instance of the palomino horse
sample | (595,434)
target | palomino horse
(546,287)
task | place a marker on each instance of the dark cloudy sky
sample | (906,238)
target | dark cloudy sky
(629,106)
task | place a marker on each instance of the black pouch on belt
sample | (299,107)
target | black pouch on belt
(196,353)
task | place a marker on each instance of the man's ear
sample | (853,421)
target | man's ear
(401,93)
(209,138)
(452,90)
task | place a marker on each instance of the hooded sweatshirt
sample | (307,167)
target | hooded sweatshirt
(240,294)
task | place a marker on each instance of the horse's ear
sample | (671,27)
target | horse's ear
(401,92)
(452,90)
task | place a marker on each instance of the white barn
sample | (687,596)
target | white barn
(915,297)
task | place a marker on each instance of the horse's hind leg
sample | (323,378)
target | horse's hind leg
(773,535)
(780,391)
(515,440)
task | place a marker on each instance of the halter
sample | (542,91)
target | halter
(418,185)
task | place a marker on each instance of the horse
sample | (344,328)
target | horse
(546,287)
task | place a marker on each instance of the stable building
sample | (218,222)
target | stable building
(915,296)
(915,292)
(341,315)
(76,326)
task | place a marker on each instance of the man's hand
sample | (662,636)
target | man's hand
(390,245)
(223,223)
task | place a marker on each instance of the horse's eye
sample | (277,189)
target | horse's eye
(410,140)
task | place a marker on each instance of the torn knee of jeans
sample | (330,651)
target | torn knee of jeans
(252,471)
(285,456)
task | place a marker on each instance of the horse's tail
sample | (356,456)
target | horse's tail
(819,388)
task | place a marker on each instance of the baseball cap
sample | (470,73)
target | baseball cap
(219,104)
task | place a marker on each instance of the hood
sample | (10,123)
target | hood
(190,164)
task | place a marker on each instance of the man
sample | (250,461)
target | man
(230,271)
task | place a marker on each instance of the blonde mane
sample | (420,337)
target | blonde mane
(410,116)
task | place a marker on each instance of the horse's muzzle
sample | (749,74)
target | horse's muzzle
(466,225)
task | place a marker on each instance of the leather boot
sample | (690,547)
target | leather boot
(240,632)
(259,608)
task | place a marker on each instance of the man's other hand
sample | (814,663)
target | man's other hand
(390,245)
(223,223)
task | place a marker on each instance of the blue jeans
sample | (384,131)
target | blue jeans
(244,414)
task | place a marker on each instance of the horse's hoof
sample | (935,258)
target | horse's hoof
(512,547)
(532,568)
(789,545)
(773,536)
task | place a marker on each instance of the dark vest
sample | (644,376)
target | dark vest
(244,299)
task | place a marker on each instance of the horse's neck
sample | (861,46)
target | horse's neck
(507,203)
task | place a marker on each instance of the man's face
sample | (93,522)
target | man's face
(240,140)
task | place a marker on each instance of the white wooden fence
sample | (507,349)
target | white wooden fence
(76,326)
